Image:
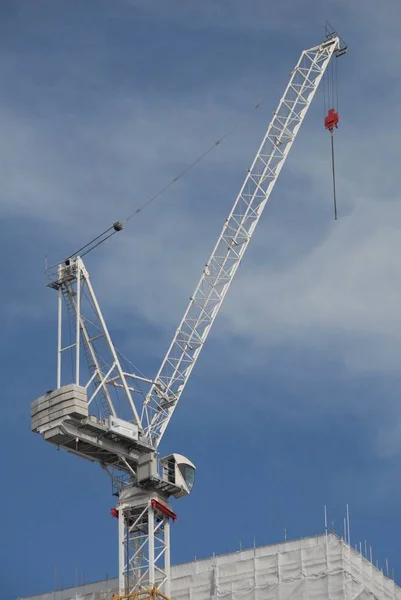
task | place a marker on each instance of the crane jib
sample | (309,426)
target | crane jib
(233,241)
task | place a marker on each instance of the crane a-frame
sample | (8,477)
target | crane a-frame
(103,415)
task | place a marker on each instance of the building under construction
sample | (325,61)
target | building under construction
(313,568)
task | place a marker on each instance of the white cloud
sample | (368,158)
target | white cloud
(289,287)
(349,282)
(301,280)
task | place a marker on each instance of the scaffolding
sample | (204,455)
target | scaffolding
(317,568)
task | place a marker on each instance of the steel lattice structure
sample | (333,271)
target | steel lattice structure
(236,234)
(102,415)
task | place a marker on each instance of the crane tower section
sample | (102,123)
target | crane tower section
(101,414)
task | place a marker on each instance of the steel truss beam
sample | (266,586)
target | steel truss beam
(237,232)
(144,542)
(106,375)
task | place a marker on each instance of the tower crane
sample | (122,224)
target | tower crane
(102,413)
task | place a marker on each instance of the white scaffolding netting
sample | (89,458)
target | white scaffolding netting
(315,568)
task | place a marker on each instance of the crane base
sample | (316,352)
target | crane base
(151,594)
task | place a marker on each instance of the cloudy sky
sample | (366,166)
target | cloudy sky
(294,403)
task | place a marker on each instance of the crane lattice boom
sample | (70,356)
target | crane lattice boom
(237,232)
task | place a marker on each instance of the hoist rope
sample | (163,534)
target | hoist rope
(330,101)
(110,231)
(334,176)
(336,84)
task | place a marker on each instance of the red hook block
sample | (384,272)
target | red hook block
(331,120)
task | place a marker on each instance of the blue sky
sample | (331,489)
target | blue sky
(295,400)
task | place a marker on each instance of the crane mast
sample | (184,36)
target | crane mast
(101,415)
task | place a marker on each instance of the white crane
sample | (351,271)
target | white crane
(103,415)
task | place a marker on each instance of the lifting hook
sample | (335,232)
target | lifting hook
(331,122)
